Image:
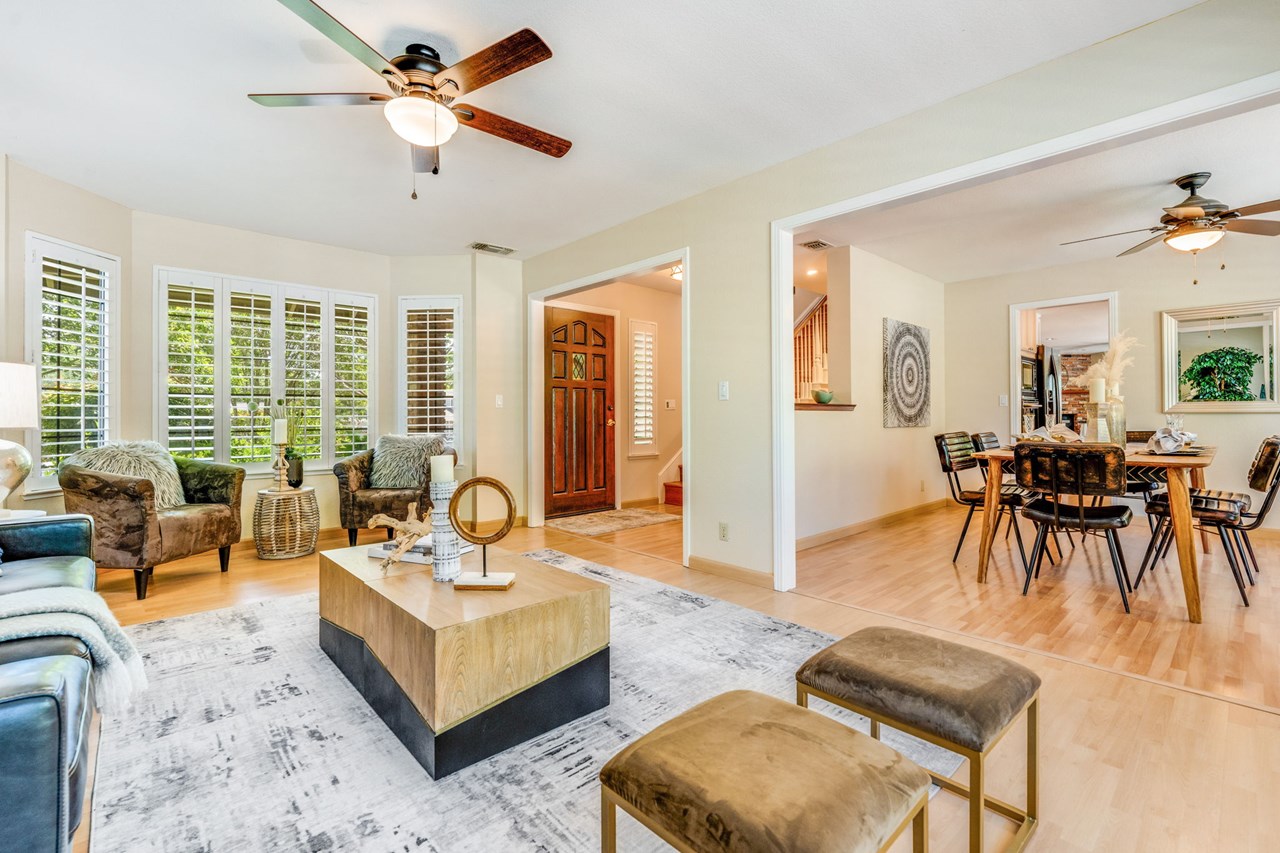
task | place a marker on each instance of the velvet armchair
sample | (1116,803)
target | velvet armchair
(358,501)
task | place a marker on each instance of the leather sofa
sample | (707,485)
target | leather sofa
(47,736)
(358,502)
(132,533)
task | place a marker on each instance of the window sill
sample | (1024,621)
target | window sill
(42,493)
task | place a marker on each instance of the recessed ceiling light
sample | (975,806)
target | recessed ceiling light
(811,272)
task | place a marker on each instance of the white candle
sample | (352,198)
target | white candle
(441,469)
(280,431)
(1098,391)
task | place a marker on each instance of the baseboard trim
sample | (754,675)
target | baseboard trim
(725,570)
(807,542)
(636,504)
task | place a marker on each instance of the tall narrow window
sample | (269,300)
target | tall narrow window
(350,379)
(69,320)
(250,395)
(431,356)
(191,375)
(643,336)
(303,375)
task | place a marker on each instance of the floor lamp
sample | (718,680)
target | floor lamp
(17,411)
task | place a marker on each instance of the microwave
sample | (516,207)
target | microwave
(1030,379)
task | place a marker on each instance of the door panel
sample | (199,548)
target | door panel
(580,412)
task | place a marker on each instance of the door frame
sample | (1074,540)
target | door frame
(1234,99)
(617,372)
(535,455)
(1111,297)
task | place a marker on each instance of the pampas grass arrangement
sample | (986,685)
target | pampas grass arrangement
(1110,367)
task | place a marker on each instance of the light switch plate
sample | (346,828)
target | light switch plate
(669,404)
(497,401)
(1004,401)
(724,389)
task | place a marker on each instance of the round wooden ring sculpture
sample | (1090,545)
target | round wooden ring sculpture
(470,535)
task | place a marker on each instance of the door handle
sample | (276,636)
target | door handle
(610,422)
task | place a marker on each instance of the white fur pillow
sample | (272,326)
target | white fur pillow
(403,461)
(144,459)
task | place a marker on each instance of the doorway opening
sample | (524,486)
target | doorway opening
(608,407)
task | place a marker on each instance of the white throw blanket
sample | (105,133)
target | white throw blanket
(79,613)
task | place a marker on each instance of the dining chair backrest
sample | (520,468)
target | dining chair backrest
(1266,465)
(985,441)
(1078,470)
(1139,436)
(955,452)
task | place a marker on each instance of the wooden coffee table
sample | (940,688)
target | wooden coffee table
(459,675)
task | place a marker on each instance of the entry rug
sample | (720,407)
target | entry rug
(609,521)
(249,738)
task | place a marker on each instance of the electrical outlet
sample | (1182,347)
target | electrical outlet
(497,401)
(724,531)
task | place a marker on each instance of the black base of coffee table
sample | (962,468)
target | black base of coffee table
(569,694)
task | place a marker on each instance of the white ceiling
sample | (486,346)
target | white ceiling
(1066,327)
(1015,224)
(144,102)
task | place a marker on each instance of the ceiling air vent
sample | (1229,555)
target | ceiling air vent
(491,249)
(817,245)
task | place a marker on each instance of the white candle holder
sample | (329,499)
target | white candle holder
(446,547)
(281,467)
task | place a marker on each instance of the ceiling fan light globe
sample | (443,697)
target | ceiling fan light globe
(420,120)
(1193,239)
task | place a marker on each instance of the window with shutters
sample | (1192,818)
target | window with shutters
(233,347)
(431,362)
(69,335)
(643,337)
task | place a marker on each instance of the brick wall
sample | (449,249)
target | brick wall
(1074,399)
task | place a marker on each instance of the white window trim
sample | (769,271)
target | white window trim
(37,486)
(409,303)
(279,291)
(648,449)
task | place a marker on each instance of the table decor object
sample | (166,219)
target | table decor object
(408,533)
(1103,379)
(822,396)
(286,522)
(482,579)
(17,411)
(446,548)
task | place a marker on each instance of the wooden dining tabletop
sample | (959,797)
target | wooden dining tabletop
(1184,472)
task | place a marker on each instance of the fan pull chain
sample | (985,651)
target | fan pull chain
(414,194)
(1195,268)
(1223,258)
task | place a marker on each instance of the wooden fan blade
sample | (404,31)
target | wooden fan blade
(335,32)
(1264,207)
(514,53)
(1263,227)
(321,99)
(1144,244)
(513,131)
(1105,236)
(425,159)
(1186,212)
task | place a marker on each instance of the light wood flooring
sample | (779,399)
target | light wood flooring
(1127,763)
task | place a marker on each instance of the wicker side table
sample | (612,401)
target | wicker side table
(286,524)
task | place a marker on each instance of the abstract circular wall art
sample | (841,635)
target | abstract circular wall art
(906,374)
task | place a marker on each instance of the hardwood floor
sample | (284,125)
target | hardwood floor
(1127,763)
(1074,609)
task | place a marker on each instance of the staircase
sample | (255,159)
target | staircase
(811,351)
(673,493)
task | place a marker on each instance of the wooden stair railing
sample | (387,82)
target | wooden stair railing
(811,351)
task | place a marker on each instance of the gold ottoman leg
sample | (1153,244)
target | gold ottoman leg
(920,828)
(608,823)
(977,802)
(1033,759)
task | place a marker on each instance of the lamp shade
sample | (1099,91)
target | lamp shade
(18,396)
(1193,238)
(420,120)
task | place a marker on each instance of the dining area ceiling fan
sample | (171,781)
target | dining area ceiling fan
(1198,222)
(421,106)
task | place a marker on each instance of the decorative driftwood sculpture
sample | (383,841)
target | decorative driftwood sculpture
(408,532)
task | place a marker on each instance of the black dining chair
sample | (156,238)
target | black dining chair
(1223,516)
(990,441)
(955,454)
(1079,472)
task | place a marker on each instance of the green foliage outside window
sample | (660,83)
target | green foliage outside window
(1222,374)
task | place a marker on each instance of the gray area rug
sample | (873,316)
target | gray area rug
(609,521)
(249,739)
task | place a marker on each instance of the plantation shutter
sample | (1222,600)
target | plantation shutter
(643,336)
(350,379)
(73,356)
(304,375)
(192,350)
(430,359)
(250,385)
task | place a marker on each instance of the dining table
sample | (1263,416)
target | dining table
(1184,471)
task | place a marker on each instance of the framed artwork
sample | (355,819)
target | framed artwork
(906,374)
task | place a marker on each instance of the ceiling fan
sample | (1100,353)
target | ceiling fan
(1198,222)
(421,108)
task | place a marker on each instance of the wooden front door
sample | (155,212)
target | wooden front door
(580,414)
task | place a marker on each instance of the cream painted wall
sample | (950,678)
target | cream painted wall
(1156,280)
(849,467)
(726,229)
(499,361)
(637,478)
